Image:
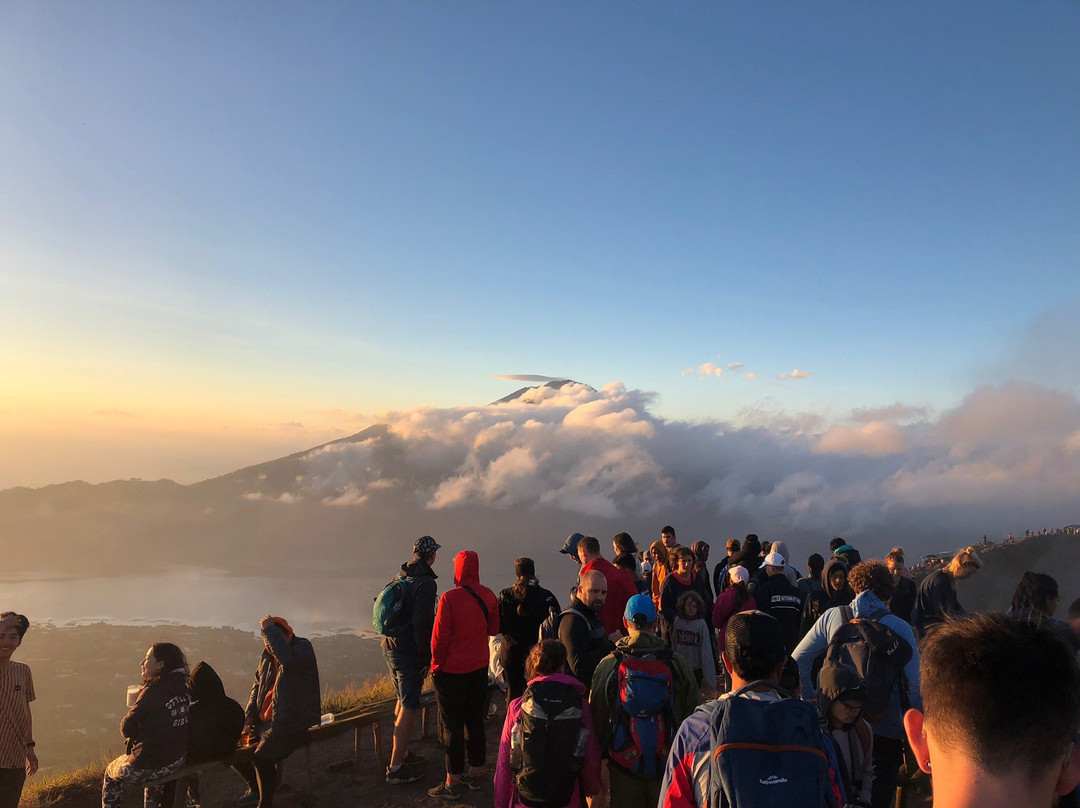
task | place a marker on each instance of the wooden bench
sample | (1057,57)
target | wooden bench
(357,719)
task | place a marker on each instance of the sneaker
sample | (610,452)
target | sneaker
(414,758)
(248,798)
(408,773)
(473,782)
(446,791)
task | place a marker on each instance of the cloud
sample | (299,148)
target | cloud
(709,369)
(735,367)
(750,376)
(795,374)
(291,425)
(1006,457)
(688,372)
(527,377)
(892,413)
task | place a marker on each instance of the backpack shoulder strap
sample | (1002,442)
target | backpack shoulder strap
(847,613)
(480,600)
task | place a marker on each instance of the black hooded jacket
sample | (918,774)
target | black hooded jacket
(297,699)
(818,602)
(215,720)
(156,726)
(420,600)
(749,556)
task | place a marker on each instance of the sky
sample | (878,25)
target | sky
(233,231)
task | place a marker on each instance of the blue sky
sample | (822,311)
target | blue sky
(247,215)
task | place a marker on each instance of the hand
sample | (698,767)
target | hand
(31,762)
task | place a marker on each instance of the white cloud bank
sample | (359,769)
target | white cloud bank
(1004,452)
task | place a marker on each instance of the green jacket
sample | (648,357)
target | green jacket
(685,693)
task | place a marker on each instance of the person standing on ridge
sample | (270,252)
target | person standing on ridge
(580,629)
(620,584)
(408,657)
(467,615)
(682,579)
(936,598)
(18,752)
(522,608)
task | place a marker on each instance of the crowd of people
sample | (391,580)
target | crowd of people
(664,682)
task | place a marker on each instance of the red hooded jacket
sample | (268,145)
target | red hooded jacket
(459,642)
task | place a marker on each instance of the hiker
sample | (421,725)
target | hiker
(543,754)
(789,569)
(902,603)
(156,728)
(691,638)
(18,750)
(640,694)
(215,722)
(620,584)
(285,700)
(841,698)
(892,681)
(1036,600)
(845,551)
(749,555)
(810,584)
(522,608)
(936,598)
(682,579)
(630,563)
(661,568)
(778,597)
(467,615)
(755,715)
(624,546)
(736,598)
(1001,713)
(570,546)
(667,536)
(720,579)
(407,650)
(700,549)
(834,592)
(580,629)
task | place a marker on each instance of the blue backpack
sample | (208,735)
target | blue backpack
(767,754)
(388,615)
(640,692)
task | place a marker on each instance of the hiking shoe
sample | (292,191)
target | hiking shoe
(472,782)
(248,798)
(415,759)
(446,791)
(408,773)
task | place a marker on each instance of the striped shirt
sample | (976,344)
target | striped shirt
(16,693)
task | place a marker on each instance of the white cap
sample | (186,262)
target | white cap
(739,574)
(774,560)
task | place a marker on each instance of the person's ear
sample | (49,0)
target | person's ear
(1069,778)
(914,725)
(727,662)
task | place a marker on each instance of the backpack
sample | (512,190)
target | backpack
(388,615)
(640,691)
(878,653)
(767,754)
(549,629)
(547,744)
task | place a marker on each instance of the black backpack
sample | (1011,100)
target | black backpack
(878,653)
(547,744)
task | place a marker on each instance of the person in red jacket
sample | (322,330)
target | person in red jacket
(467,615)
(620,585)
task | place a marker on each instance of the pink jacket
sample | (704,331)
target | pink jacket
(725,609)
(505,795)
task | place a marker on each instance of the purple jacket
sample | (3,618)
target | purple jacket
(505,794)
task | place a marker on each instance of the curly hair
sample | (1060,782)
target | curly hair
(872,575)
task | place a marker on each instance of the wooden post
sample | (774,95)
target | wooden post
(357,738)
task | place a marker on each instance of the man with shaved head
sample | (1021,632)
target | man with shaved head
(580,629)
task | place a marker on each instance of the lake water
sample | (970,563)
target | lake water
(313,604)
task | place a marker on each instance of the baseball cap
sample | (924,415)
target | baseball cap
(570,545)
(758,633)
(774,560)
(425,546)
(739,574)
(640,610)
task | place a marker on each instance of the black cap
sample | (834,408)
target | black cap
(570,545)
(758,633)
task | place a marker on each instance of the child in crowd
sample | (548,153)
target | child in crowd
(841,697)
(690,638)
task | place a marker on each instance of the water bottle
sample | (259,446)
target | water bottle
(326,718)
(516,743)
(582,739)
